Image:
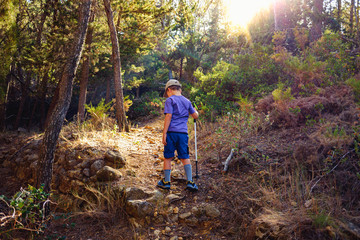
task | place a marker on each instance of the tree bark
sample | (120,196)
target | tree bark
(24,94)
(85,75)
(119,105)
(351,22)
(57,117)
(339,6)
(107,96)
(357,20)
(317,21)
(4,103)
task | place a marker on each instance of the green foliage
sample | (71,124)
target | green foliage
(321,220)
(332,50)
(281,95)
(148,105)
(98,114)
(253,74)
(26,210)
(355,84)
(335,133)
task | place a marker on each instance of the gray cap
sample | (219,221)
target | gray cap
(171,82)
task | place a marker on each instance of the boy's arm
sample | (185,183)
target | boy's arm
(166,126)
(195,115)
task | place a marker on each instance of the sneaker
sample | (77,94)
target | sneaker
(163,184)
(190,185)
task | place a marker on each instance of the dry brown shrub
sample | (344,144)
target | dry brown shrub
(332,100)
(265,105)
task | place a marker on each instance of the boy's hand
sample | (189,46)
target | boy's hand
(164,139)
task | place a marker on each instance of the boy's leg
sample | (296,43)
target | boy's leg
(169,151)
(165,182)
(167,169)
(187,168)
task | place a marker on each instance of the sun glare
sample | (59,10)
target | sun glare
(240,12)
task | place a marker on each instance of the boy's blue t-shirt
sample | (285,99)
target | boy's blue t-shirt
(180,107)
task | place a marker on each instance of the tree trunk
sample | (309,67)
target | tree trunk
(57,117)
(4,103)
(181,68)
(351,21)
(52,106)
(317,23)
(339,6)
(85,75)
(107,96)
(119,105)
(24,94)
(43,90)
(357,21)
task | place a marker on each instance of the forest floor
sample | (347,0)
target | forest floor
(278,185)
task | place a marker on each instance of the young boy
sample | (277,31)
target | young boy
(175,133)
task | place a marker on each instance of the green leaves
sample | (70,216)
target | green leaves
(26,209)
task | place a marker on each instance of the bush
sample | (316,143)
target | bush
(25,210)
(355,84)
(148,105)
(253,74)
(98,114)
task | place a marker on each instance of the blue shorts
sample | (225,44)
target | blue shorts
(179,142)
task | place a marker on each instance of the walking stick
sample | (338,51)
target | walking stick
(196,160)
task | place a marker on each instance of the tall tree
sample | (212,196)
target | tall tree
(84,79)
(119,105)
(8,40)
(57,117)
(317,21)
(351,22)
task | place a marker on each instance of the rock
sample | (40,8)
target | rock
(96,166)
(134,193)
(176,210)
(185,215)
(108,174)
(167,229)
(115,158)
(172,197)
(159,219)
(156,197)
(71,164)
(85,164)
(174,238)
(196,211)
(33,157)
(174,217)
(211,211)
(157,232)
(176,174)
(193,221)
(139,208)
(75,174)
(86,172)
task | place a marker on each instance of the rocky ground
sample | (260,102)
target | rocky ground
(129,166)
(293,176)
